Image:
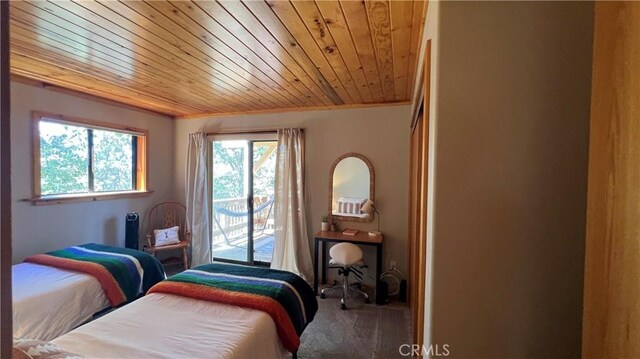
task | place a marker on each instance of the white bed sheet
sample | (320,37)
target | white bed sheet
(49,302)
(167,326)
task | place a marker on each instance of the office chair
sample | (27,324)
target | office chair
(345,257)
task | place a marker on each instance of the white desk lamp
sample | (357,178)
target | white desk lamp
(369,207)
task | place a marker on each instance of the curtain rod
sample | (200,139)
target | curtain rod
(240,132)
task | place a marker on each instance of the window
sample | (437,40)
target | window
(76,157)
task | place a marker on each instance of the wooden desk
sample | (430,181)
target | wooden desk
(361,238)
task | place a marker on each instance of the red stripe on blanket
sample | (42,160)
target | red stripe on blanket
(286,330)
(110,286)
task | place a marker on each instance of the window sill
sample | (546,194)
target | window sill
(85,197)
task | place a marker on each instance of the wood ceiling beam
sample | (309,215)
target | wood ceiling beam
(107,67)
(417,29)
(263,12)
(81,82)
(211,63)
(99,29)
(280,65)
(401,28)
(265,72)
(357,22)
(317,26)
(293,109)
(331,67)
(97,42)
(259,31)
(380,26)
(197,39)
(203,57)
(64,90)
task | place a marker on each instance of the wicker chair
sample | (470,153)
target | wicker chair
(166,215)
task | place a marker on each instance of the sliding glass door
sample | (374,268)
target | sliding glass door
(243,181)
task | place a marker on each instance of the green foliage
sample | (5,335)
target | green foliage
(229,171)
(264,177)
(112,161)
(228,164)
(64,159)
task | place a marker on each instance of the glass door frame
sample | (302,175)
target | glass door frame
(251,138)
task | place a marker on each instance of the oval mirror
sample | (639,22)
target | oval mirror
(352,184)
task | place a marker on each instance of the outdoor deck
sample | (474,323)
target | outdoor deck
(263,248)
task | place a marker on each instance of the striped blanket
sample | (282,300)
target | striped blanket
(287,298)
(122,273)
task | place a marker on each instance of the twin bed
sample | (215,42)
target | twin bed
(212,311)
(48,302)
(170,326)
(51,296)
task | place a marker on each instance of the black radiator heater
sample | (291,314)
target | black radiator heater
(132,234)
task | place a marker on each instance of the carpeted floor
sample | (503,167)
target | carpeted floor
(364,331)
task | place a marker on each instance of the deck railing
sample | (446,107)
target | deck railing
(228,228)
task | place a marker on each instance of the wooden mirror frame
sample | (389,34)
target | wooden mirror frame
(371,188)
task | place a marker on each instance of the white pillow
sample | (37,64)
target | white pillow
(166,236)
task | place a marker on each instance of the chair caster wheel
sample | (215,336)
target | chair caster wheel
(343,306)
(367,301)
(322,296)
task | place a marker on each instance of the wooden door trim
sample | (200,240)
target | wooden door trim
(419,187)
(611,313)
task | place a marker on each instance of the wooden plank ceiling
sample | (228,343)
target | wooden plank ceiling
(190,58)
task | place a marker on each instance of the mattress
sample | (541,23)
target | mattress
(48,302)
(168,326)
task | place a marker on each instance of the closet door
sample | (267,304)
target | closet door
(611,320)
(416,225)
(418,189)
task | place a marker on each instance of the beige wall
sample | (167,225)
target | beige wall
(43,228)
(381,134)
(511,169)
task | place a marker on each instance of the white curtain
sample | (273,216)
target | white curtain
(197,196)
(291,250)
